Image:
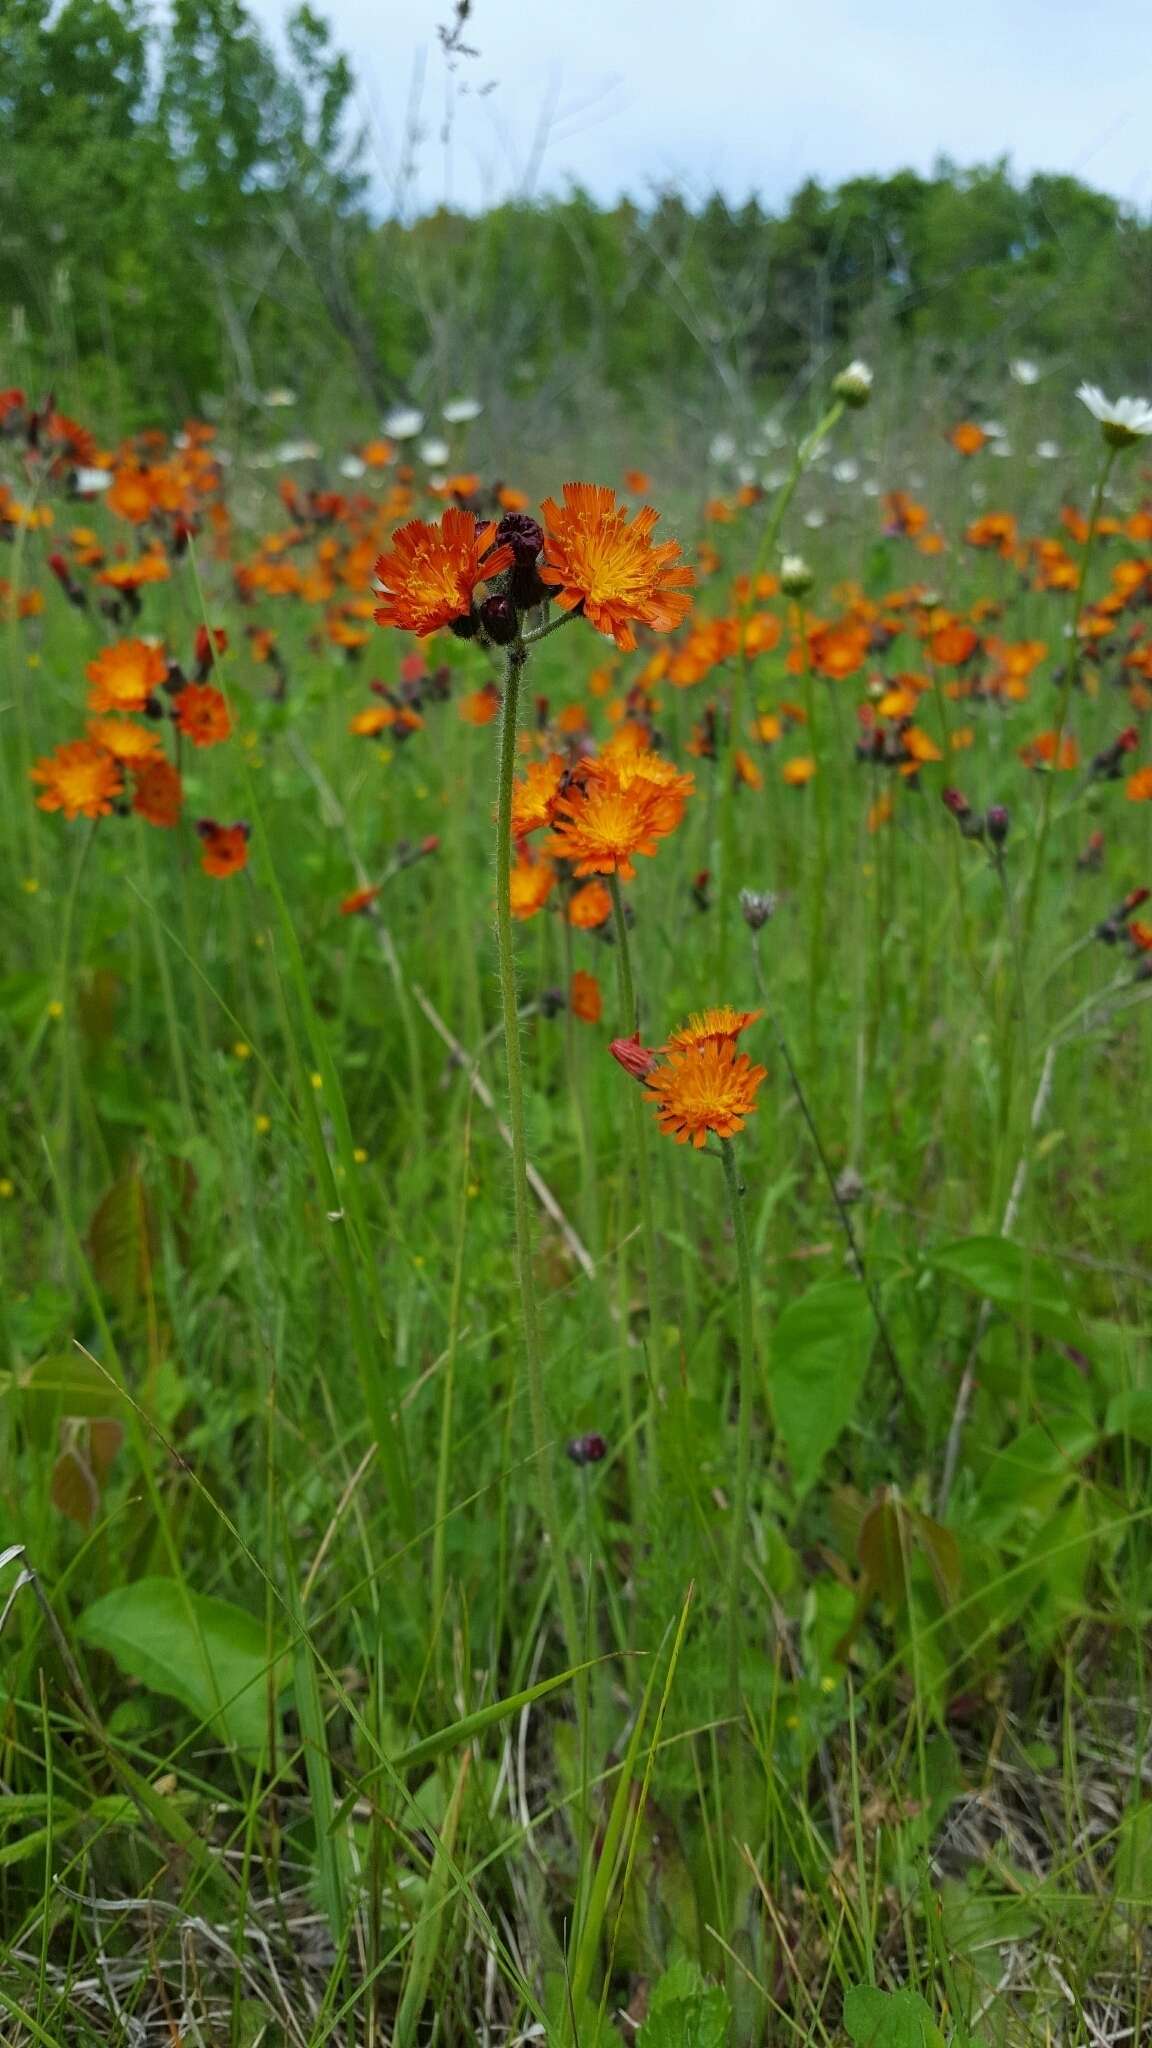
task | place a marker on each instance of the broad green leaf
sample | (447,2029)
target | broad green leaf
(1014,1279)
(685,2011)
(890,2019)
(69,1384)
(202,1651)
(1130,1414)
(820,1352)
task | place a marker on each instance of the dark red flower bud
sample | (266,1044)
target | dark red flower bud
(525,536)
(954,801)
(466,626)
(997,823)
(1133,900)
(587,1450)
(498,619)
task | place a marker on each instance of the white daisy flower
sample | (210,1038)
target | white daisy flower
(1000,447)
(403,423)
(1047,450)
(297,451)
(1123,421)
(352,467)
(281,394)
(458,411)
(814,519)
(846,472)
(89,481)
(435,452)
(721,448)
(1024,370)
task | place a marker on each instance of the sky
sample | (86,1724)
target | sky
(742,95)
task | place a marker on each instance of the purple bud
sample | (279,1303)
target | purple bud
(997,822)
(498,619)
(587,1450)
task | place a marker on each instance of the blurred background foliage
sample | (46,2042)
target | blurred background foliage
(178,196)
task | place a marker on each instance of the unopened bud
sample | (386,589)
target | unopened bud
(636,1059)
(997,823)
(587,1450)
(796,578)
(853,385)
(757,906)
(498,620)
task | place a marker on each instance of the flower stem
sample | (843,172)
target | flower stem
(549,1505)
(639,1134)
(1071,677)
(746,1394)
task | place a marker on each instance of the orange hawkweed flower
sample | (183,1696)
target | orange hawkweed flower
(534,796)
(712,1027)
(123,740)
(589,907)
(796,773)
(359,900)
(596,558)
(151,567)
(967,438)
(584,999)
(953,645)
(80,779)
(157,792)
(481,706)
(1138,788)
(202,715)
(429,574)
(1051,750)
(530,884)
(377,718)
(625,806)
(698,1090)
(225,847)
(125,675)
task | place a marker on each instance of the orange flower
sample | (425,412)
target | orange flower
(148,568)
(125,675)
(590,907)
(482,706)
(1048,750)
(123,740)
(202,715)
(534,796)
(625,806)
(584,998)
(376,719)
(712,1027)
(157,795)
(747,770)
(225,847)
(967,438)
(701,1089)
(953,645)
(1138,788)
(796,773)
(428,576)
(530,885)
(80,779)
(637,481)
(132,495)
(919,746)
(360,899)
(1140,935)
(598,559)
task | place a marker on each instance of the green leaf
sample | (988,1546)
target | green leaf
(1130,1414)
(210,1655)
(890,2019)
(1015,1280)
(121,1239)
(685,2011)
(69,1385)
(820,1352)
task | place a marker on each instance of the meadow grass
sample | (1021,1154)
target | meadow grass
(785,1645)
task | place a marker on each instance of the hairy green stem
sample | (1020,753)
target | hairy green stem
(522,1214)
(639,1135)
(746,1395)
